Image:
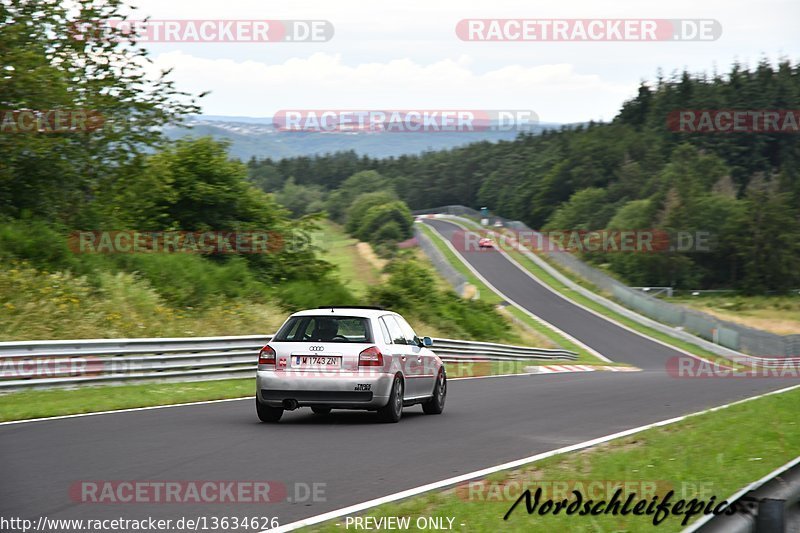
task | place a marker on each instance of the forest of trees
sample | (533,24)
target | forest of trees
(634,172)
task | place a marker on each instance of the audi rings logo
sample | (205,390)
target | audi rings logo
(316,349)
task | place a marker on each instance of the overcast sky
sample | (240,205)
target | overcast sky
(406,55)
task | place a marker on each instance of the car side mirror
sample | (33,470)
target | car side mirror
(427,342)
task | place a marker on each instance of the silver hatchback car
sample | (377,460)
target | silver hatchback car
(348,358)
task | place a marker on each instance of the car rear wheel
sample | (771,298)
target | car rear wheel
(267,413)
(393,409)
(435,405)
(321,410)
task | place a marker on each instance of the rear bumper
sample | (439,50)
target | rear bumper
(349,390)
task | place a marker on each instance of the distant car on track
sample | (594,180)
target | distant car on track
(348,358)
(485,242)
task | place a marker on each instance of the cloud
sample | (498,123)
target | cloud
(556,92)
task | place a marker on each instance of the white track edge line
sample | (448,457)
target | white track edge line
(203,402)
(515,304)
(587,309)
(505,466)
(129,410)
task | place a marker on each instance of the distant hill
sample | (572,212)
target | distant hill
(257,136)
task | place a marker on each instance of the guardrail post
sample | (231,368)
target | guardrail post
(771,516)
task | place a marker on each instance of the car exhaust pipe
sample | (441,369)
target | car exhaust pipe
(290,405)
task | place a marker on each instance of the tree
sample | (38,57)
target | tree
(586,209)
(354,186)
(300,199)
(51,63)
(380,215)
(362,204)
(770,242)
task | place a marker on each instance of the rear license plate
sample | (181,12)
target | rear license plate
(314,361)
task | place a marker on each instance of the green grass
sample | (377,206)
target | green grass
(685,457)
(339,249)
(490,296)
(486,293)
(47,403)
(779,314)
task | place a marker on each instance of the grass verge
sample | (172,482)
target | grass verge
(46,403)
(779,314)
(23,405)
(353,269)
(685,457)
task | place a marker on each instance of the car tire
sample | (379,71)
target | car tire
(267,413)
(435,405)
(393,410)
(321,410)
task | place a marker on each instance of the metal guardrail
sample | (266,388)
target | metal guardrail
(769,505)
(46,364)
(440,262)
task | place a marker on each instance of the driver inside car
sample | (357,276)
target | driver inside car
(326,330)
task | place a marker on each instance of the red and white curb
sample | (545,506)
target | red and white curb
(558,369)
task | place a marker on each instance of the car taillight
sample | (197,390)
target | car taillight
(266,356)
(372,356)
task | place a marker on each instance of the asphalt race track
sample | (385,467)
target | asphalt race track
(486,422)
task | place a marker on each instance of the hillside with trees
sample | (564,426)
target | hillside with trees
(634,172)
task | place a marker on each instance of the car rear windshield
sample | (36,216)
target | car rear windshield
(325,329)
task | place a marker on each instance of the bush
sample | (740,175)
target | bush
(36,241)
(362,204)
(389,232)
(58,305)
(308,294)
(354,186)
(191,280)
(380,215)
(411,289)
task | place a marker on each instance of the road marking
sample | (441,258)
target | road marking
(132,409)
(505,466)
(562,369)
(587,309)
(204,402)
